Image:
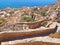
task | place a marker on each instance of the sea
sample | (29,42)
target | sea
(23,3)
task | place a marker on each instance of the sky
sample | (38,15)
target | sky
(20,3)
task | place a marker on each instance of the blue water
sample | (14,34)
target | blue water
(21,3)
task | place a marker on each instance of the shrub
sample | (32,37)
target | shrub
(32,17)
(55,35)
(35,9)
(43,13)
(26,19)
(1,21)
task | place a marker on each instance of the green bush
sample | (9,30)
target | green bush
(26,19)
(35,9)
(29,18)
(1,21)
(43,13)
(33,17)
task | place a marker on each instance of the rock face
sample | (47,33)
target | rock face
(13,20)
(54,24)
(30,41)
(53,15)
(58,29)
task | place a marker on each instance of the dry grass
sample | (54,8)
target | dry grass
(55,35)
